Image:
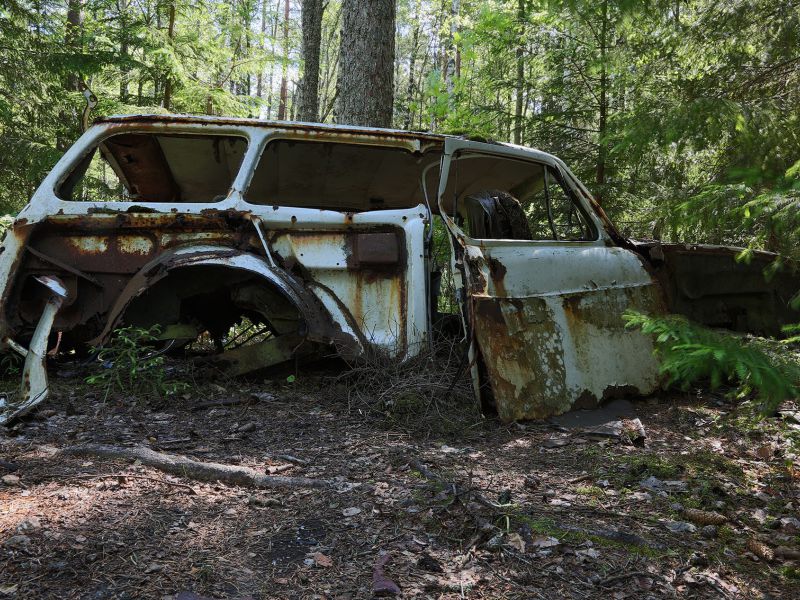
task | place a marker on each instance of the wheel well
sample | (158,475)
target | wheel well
(213,298)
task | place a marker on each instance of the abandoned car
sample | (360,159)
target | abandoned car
(323,235)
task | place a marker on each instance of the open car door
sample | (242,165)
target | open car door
(543,286)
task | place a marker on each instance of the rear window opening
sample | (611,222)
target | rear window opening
(147,167)
(337,176)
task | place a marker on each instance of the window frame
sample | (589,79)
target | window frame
(95,136)
(387,141)
(466,152)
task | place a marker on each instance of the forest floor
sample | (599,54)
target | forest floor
(451,504)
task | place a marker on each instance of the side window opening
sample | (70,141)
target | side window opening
(145,167)
(338,176)
(505,198)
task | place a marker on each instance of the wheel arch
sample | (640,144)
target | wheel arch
(319,325)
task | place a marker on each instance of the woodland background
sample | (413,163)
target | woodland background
(681,115)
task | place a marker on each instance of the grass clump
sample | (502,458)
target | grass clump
(690,353)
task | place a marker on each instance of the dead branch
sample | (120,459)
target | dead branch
(289,458)
(193,469)
(609,580)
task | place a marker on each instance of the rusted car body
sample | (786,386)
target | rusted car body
(324,234)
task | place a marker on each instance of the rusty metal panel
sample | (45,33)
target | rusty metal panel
(362,277)
(550,349)
(546,356)
(376,249)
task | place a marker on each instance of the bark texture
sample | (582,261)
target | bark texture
(284,77)
(366,66)
(312,37)
(520,83)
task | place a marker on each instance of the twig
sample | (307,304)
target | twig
(279,469)
(580,479)
(458,490)
(289,458)
(605,582)
(194,469)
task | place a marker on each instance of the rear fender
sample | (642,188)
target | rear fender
(318,324)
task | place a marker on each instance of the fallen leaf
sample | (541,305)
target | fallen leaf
(543,541)
(680,527)
(515,541)
(351,512)
(789,524)
(382,585)
(322,560)
(8,590)
(589,553)
(765,452)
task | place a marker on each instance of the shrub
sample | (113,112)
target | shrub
(690,353)
(131,365)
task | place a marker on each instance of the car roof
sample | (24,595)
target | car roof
(293,125)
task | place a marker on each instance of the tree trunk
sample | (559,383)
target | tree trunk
(72,82)
(520,83)
(600,175)
(170,36)
(284,77)
(366,68)
(73,36)
(412,64)
(312,38)
(123,50)
(273,35)
(450,54)
(260,78)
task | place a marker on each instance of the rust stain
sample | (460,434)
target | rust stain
(523,353)
(497,271)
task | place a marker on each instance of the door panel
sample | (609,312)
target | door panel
(546,315)
(550,331)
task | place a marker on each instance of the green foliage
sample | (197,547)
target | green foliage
(125,53)
(690,354)
(793,331)
(132,367)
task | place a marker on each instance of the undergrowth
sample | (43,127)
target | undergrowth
(132,366)
(690,353)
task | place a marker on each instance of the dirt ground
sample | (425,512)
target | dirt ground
(453,505)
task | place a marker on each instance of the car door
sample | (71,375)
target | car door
(543,305)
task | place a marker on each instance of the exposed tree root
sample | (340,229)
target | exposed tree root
(197,470)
